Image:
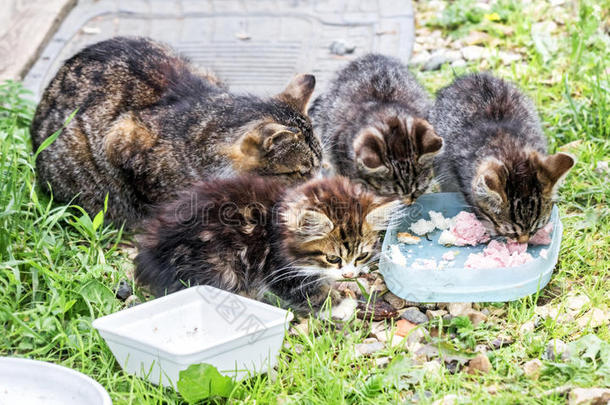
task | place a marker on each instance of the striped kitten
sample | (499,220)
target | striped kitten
(149,124)
(373,126)
(253,236)
(496,154)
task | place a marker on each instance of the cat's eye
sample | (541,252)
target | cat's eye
(333,259)
(362,256)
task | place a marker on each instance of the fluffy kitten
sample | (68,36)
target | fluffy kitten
(254,236)
(149,124)
(373,126)
(496,155)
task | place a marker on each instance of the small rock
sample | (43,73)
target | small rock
(419,58)
(243,36)
(594,317)
(459,308)
(432,367)
(480,349)
(527,327)
(532,368)
(87,30)
(132,301)
(486,311)
(365,284)
(368,348)
(403,327)
(376,311)
(576,302)
(382,361)
(414,315)
(492,389)
(436,60)
(555,349)
(301,328)
(447,318)
(450,399)
(380,330)
(398,341)
(123,290)
(509,57)
(501,341)
(476,38)
(379,285)
(474,52)
(479,364)
(394,300)
(602,167)
(476,317)
(458,63)
(593,396)
(435,314)
(341,48)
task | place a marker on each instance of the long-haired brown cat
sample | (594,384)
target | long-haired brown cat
(149,124)
(254,236)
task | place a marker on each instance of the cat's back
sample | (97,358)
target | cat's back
(111,77)
(381,79)
(213,232)
(481,98)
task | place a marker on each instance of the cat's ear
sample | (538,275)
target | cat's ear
(379,218)
(552,170)
(310,225)
(262,139)
(369,147)
(428,143)
(489,185)
(299,91)
(274,134)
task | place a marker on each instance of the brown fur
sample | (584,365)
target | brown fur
(149,124)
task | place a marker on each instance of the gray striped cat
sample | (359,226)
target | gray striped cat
(372,121)
(496,154)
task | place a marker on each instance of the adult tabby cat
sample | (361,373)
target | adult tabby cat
(256,237)
(373,126)
(149,124)
(496,154)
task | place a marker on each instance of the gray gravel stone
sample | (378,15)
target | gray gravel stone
(414,315)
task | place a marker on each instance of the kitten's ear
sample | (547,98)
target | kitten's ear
(552,170)
(379,218)
(299,91)
(274,134)
(310,225)
(489,185)
(428,143)
(369,147)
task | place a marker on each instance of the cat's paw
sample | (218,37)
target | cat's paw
(341,311)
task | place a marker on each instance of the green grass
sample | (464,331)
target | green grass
(59,268)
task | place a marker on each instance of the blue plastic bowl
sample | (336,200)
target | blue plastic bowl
(459,284)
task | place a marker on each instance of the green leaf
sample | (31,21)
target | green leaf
(202,381)
(401,371)
(47,142)
(97,293)
(98,220)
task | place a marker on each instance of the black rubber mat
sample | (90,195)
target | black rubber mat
(253,45)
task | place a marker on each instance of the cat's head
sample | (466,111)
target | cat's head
(281,141)
(330,227)
(394,157)
(515,196)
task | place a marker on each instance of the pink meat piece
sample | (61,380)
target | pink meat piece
(516,247)
(468,230)
(499,254)
(543,236)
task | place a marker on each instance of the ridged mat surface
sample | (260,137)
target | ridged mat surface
(254,45)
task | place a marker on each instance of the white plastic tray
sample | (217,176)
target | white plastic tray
(33,382)
(158,339)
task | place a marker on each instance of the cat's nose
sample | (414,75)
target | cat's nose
(348,274)
(523,238)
